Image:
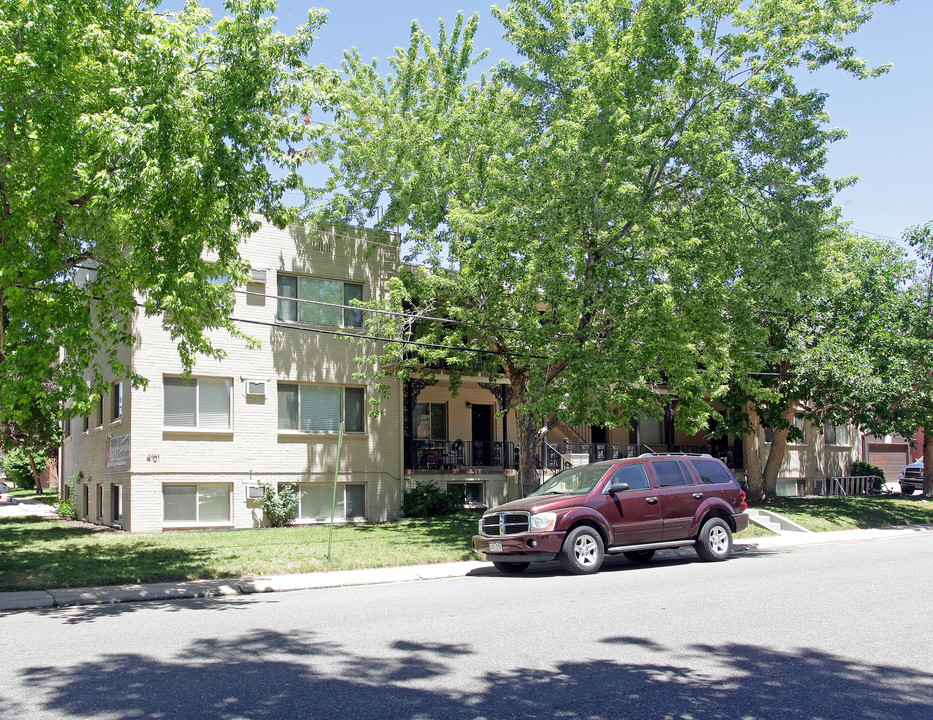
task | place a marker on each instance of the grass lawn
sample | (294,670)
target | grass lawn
(38,553)
(823,514)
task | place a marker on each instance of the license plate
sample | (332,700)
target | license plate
(495,546)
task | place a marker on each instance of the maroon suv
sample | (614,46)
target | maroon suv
(632,506)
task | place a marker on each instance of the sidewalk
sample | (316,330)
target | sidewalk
(12,601)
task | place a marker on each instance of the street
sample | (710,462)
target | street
(810,632)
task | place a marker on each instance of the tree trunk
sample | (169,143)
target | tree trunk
(778,449)
(35,473)
(528,438)
(751,446)
(927,464)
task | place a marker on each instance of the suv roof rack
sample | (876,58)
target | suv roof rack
(679,454)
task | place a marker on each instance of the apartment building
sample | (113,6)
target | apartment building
(192,453)
(187,453)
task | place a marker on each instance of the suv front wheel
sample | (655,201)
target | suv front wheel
(715,540)
(582,551)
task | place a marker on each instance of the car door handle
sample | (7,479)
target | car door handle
(651,500)
(698,496)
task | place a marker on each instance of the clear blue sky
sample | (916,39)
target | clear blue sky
(887,118)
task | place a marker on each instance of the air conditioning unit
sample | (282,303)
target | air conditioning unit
(256,387)
(255,492)
(257,276)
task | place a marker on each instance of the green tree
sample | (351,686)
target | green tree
(818,356)
(598,222)
(132,143)
(881,366)
(24,468)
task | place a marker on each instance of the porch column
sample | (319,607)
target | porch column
(669,426)
(413,389)
(503,394)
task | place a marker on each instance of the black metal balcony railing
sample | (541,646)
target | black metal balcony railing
(453,454)
(730,455)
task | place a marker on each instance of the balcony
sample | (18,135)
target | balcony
(460,454)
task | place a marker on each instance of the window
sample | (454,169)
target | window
(196,503)
(66,427)
(320,408)
(116,400)
(671,473)
(292,289)
(116,503)
(86,421)
(711,473)
(430,421)
(634,475)
(316,501)
(100,411)
(100,501)
(472,492)
(799,424)
(836,434)
(651,431)
(202,403)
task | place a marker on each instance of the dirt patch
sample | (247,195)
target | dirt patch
(93,527)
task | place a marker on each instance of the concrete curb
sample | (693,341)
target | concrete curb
(66,597)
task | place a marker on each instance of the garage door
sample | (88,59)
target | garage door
(890,457)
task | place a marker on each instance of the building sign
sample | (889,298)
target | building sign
(118,450)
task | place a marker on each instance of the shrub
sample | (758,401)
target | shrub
(66,507)
(426,499)
(19,470)
(280,506)
(860,467)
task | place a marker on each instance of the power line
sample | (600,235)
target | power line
(397,341)
(377,311)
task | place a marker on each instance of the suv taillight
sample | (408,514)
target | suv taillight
(743,505)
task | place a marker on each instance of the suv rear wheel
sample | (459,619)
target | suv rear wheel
(582,551)
(715,540)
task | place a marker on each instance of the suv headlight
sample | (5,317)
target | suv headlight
(543,522)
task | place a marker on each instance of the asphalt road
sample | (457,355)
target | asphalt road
(837,631)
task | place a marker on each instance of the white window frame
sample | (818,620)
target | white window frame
(197,506)
(327,489)
(294,315)
(116,400)
(430,415)
(116,503)
(282,387)
(832,434)
(482,492)
(195,386)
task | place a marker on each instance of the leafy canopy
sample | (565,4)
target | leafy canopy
(602,219)
(132,143)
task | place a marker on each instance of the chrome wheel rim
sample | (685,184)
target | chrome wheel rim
(718,540)
(585,550)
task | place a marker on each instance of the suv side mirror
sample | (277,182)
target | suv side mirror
(617,488)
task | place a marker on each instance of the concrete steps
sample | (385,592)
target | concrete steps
(774,522)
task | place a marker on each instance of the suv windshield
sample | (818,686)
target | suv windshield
(574,481)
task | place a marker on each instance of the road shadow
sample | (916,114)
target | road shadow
(83,614)
(270,675)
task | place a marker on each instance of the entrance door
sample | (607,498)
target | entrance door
(482,435)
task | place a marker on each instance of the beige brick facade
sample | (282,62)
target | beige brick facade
(253,449)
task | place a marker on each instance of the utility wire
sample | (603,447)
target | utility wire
(397,341)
